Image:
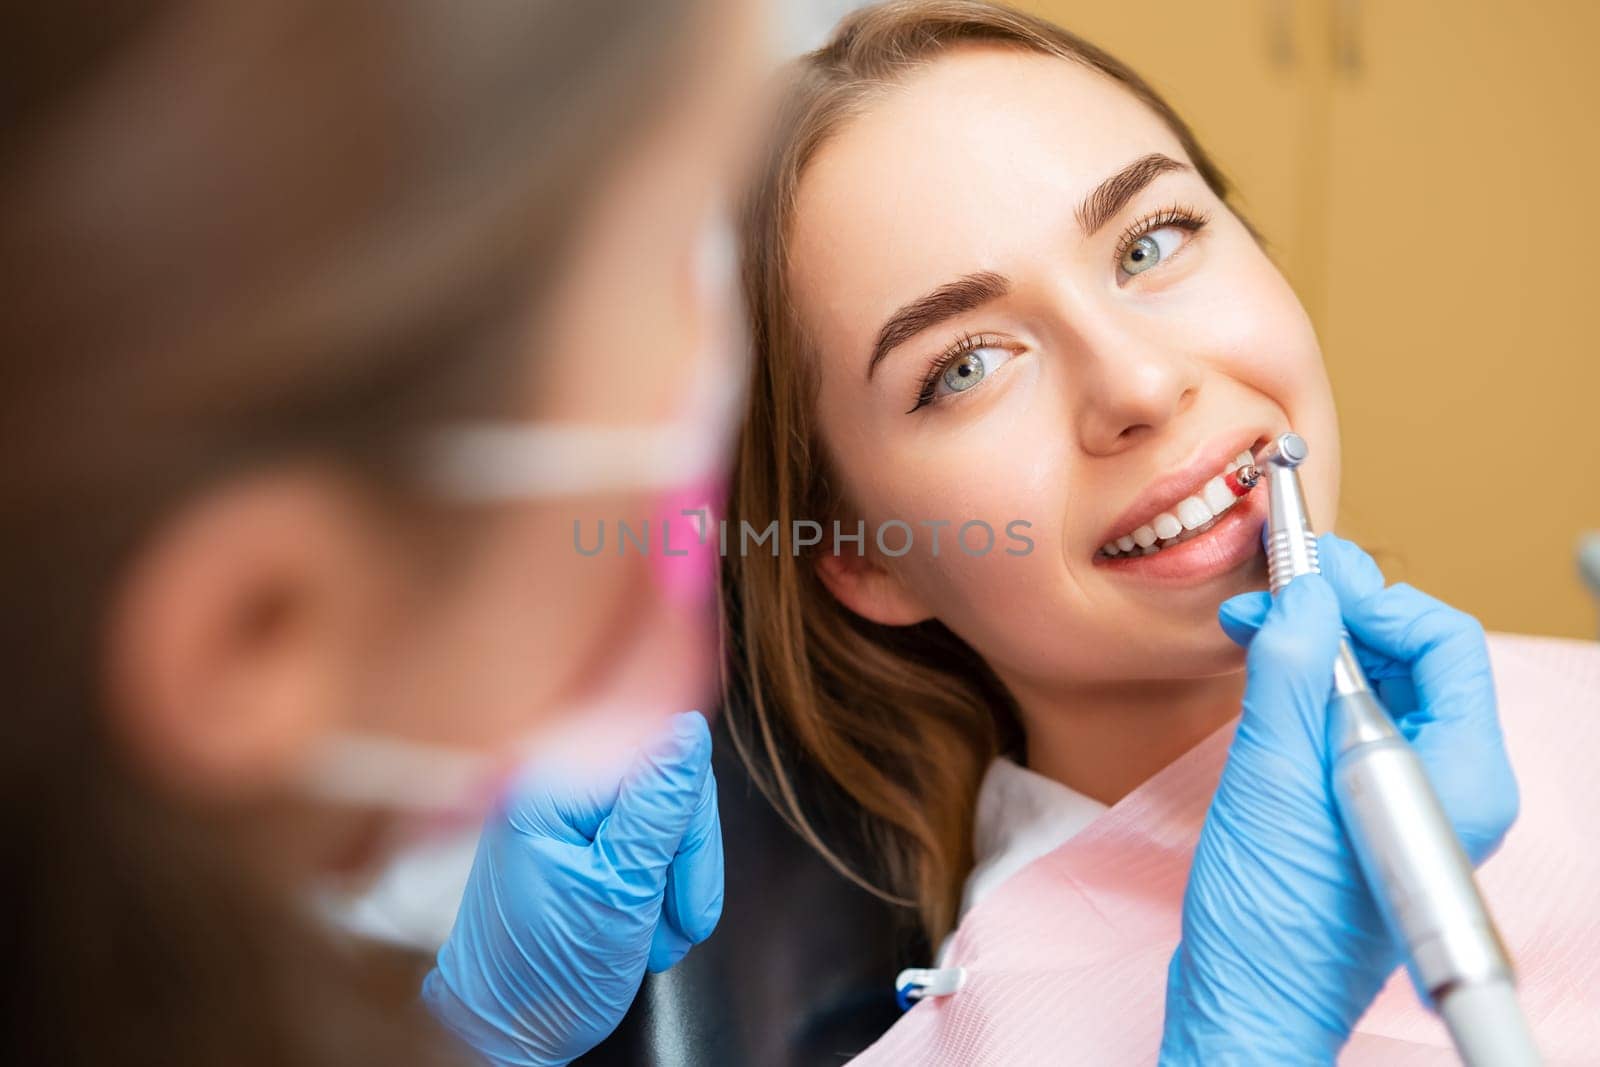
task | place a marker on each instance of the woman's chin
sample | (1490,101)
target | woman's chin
(1221,656)
(1196,650)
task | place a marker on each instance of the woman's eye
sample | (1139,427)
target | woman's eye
(1152,248)
(960,371)
(964,373)
(969,368)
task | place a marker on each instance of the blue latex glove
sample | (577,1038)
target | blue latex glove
(1283,947)
(574,893)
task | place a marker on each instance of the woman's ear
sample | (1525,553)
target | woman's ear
(242,630)
(865,586)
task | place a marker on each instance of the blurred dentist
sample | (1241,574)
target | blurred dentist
(325,325)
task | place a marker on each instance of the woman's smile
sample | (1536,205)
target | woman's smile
(1219,546)
(1190,525)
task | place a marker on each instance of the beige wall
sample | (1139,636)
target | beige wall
(1425,172)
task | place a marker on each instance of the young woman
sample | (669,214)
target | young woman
(1010,336)
(260,260)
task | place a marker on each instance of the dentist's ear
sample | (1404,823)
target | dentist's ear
(241,630)
(864,585)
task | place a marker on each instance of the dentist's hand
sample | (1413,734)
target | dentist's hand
(1283,947)
(574,893)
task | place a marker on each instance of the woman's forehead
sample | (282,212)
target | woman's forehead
(984,154)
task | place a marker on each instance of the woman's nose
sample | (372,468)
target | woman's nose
(1128,387)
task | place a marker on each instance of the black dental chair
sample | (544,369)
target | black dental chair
(799,971)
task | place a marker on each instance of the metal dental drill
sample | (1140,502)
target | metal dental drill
(1412,859)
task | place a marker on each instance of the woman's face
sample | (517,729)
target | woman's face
(1026,304)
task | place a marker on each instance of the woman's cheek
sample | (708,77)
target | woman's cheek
(996,601)
(1247,322)
(1285,363)
(998,555)
(1270,339)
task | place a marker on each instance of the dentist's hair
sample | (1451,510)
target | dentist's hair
(234,235)
(871,740)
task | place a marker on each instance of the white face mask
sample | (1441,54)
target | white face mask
(498,462)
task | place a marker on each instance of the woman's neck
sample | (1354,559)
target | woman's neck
(1106,741)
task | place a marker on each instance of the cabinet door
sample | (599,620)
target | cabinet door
(1461,256)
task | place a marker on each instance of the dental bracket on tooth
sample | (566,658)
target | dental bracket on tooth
(1243,479)
(1193,515)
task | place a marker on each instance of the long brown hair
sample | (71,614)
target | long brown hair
(231,235)
(872,740)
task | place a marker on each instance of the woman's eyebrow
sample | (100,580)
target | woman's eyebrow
(1109,197)
(951,299)
(974,290)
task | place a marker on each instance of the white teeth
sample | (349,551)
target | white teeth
(1193,515)
(1192,512)
(1218,496)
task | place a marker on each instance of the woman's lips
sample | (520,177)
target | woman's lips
(1233,540)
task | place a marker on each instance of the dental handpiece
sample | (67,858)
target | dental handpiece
(1413,862)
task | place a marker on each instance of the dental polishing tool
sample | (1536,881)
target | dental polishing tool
(1407,849)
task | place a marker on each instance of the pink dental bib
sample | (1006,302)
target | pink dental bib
(1066,962)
